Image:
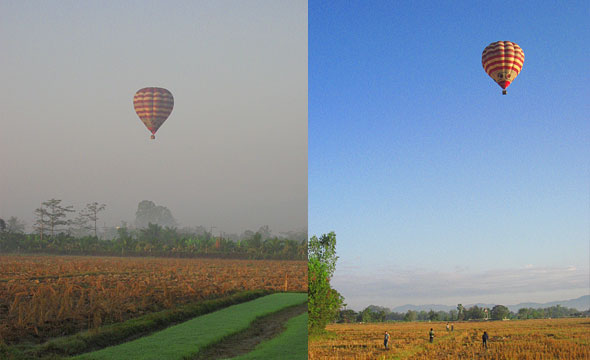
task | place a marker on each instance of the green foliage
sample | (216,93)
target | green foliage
(557,311)
(411,316)
(452,315)
(324,302)
(475,313)
(500,312)
(347,316)
(324,251)
(154,241)
(460,312)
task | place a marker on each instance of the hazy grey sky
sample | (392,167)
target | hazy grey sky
(233,153)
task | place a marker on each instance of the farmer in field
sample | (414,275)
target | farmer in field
(431,334)
(448,327)
(386,340)
(484,338)
(453,327)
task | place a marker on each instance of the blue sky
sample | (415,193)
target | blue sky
(431,178)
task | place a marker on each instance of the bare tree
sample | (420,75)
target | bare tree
(41,223)
(80,226)
(56,214)
(91,213)
(14,225)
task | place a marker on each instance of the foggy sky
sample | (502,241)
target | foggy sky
(233,153)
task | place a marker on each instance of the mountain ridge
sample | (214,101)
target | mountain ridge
(581,303)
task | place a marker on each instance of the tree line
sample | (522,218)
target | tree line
(56,232)
(374,313)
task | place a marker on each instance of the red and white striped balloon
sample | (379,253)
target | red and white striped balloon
(502,61)
(153,106)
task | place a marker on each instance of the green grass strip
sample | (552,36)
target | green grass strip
(185,339)
(291,344)
(131,329)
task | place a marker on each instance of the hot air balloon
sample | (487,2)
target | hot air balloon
(153,106)
(502,61)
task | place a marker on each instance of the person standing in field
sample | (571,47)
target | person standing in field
(431,334)
(453,327)
(484,338)
(447,326)
(386,340)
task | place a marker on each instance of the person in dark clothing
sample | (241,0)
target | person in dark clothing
(386,340)
(485,337)
(431,334)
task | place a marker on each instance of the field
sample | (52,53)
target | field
(47,296)
(517,339)
(186,339)
(287,346)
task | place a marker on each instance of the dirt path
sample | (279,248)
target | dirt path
(245,341)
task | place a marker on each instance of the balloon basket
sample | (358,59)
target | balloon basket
(153,137)
(503,92)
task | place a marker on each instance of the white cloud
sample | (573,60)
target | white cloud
(391,288)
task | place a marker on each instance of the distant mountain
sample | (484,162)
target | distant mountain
(582,303)
(428,307)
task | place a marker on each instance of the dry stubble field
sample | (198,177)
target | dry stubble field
(517,339)
(47,296)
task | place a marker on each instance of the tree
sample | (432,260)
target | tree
(150,237)
(324,250)
(265,232)
(460,312)
(14,225)
(2,225)
(80,226)
(40,223)
(148,212)
(324,302)
(91,213)
(411,315)
(56,214)
(524,313)
(366,316)
(299,236)
(475,312)
(348,316)
(500,312)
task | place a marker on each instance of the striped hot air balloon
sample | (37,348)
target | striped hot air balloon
(502,61)
(153,106)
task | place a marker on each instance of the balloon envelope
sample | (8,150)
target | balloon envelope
(153,106)
(502,61)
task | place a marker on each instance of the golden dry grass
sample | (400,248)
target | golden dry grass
(47,296)
(526,339)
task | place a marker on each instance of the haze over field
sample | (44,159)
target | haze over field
(440,189)
(233,153)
